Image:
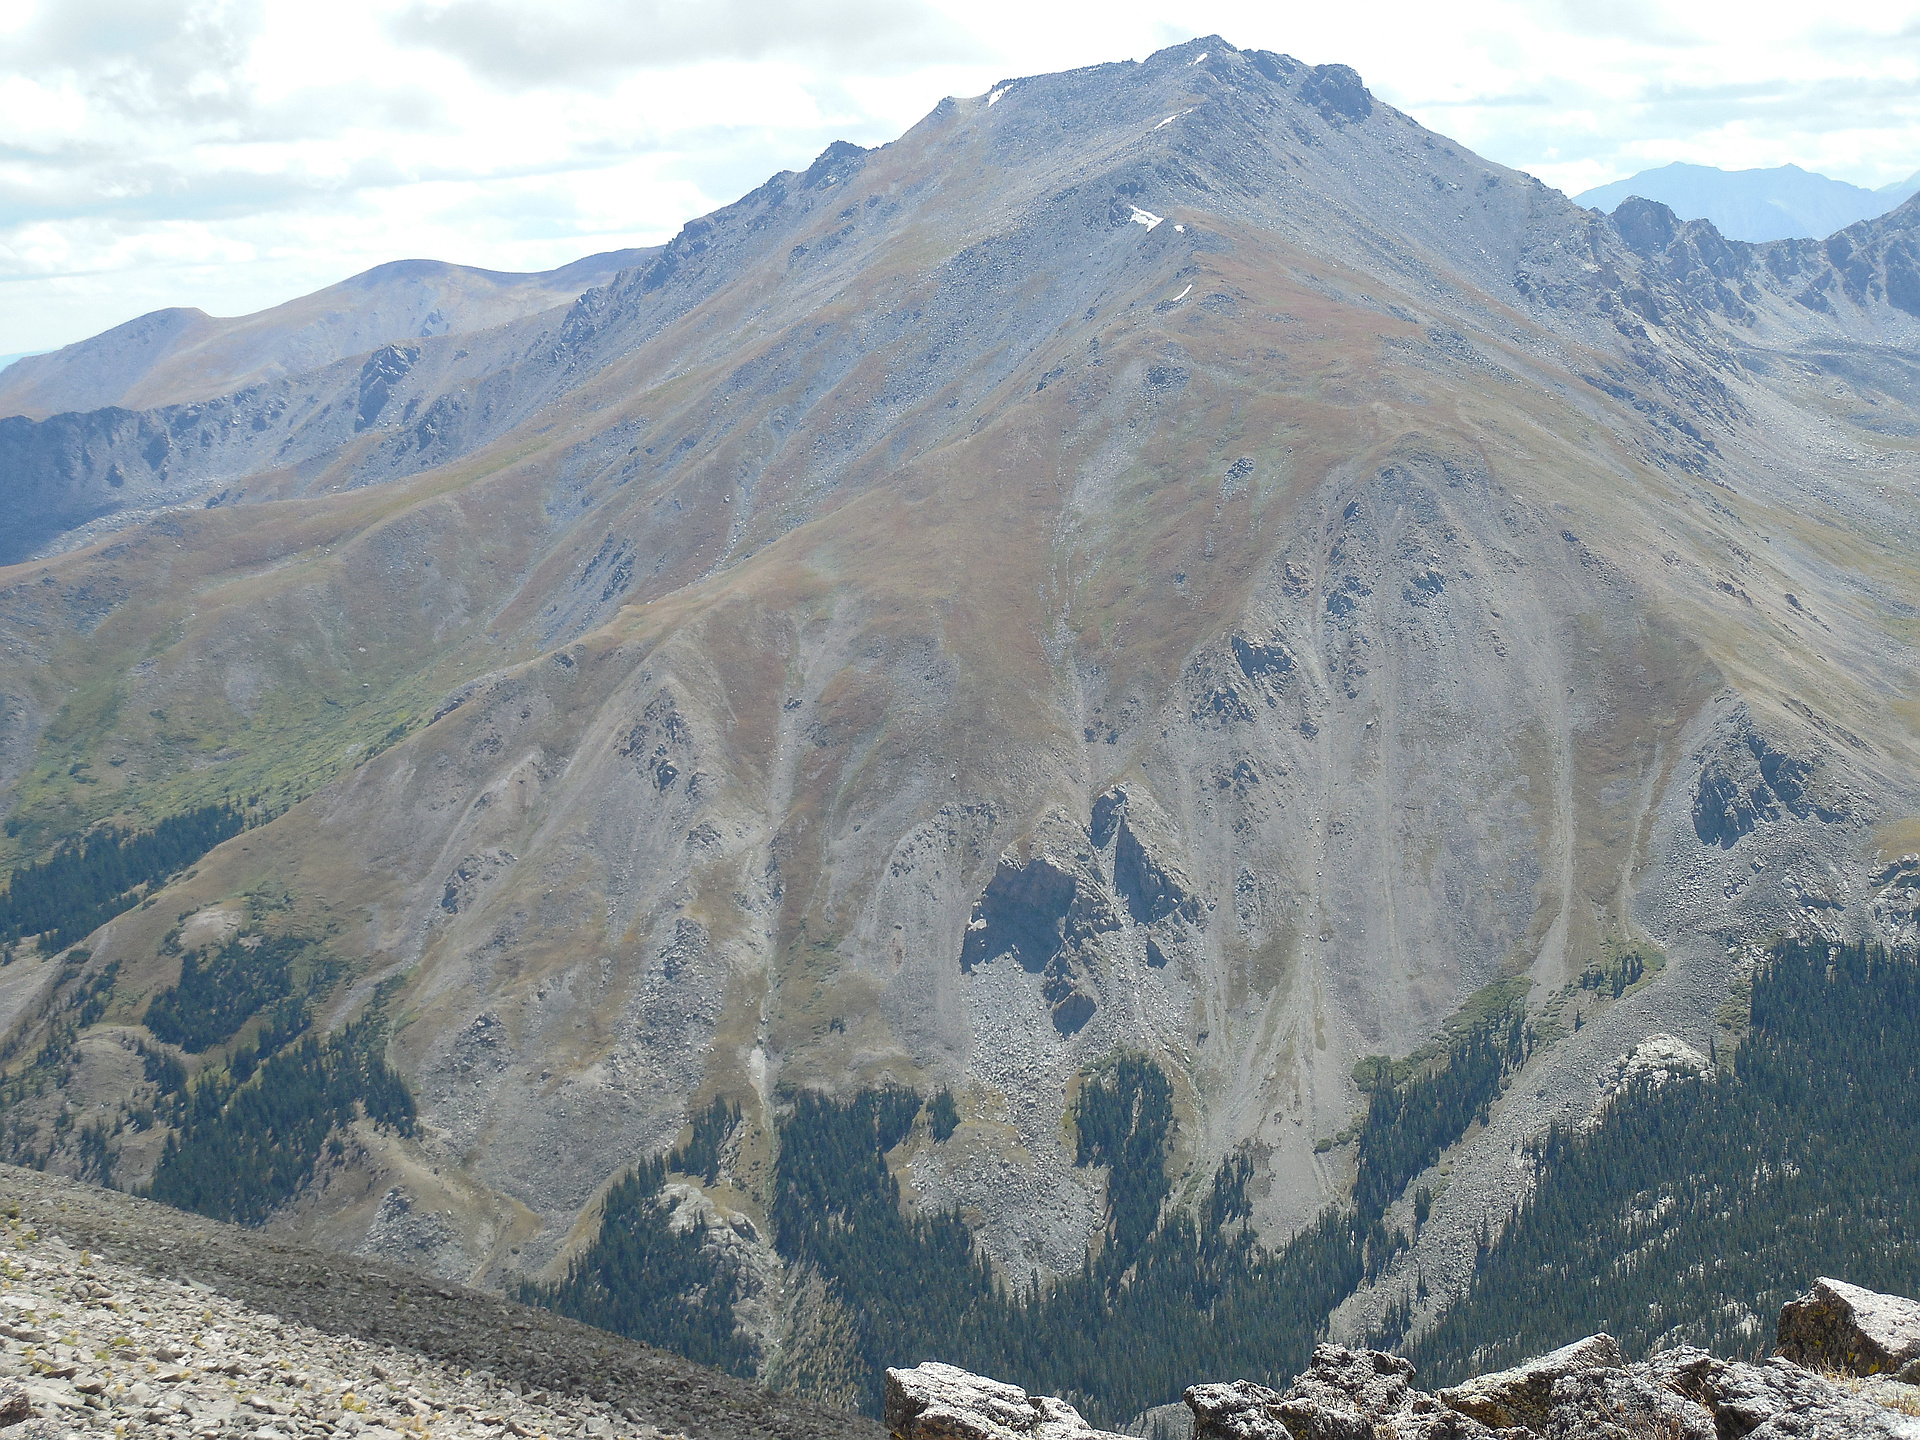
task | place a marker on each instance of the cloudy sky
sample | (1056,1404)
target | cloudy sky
(231,154)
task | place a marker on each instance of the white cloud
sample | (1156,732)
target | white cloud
(234,153)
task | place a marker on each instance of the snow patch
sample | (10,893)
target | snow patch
(1145,217)
(1198,58)
(1184,293)
(994,98)
(1175,116)
(1179,229)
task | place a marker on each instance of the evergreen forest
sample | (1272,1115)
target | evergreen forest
(217,995)
(1698,1206)
(89,880)
(639,1278)
(1167,1300)
(1408,1124)
(1714,1198)
(248,1138)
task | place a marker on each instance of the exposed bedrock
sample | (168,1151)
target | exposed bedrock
(1049,911)
(1837,1326)
(1588,1391)
(1153,890)
(1042,913)
(1747,780)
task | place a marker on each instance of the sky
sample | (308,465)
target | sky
(234,154)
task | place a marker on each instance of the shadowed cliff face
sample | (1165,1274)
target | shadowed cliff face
(1178,558)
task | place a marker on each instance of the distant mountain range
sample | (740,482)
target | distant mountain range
(182,355)
(1783,203)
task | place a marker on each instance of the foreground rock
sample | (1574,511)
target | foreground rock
(1523,1396)
(1583,1391)
(1837,1326)
(394,1309)
(1587,1390)
(1344,1395)
(941,1402)
(95,1346)
(1778,1399)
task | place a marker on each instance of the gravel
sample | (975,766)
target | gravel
(261,1338)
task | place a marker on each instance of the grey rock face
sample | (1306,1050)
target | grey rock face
(1525,1394)
(1750,783)
(1236,1410)
(1772,1401)
(1040,913)
(1843,1327)
(1582,1391)
(1344,1395)
(1609,1404)
(942,1402)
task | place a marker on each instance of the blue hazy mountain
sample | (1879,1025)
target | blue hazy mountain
(1756,205)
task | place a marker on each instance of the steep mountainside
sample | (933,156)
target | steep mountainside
(1168,558)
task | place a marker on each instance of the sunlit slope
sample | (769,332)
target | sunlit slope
(172,357)
(894,517)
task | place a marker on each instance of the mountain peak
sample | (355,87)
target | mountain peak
(1138,619)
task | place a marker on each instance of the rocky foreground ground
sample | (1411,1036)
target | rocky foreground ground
(122,1317)
(126,1318)
(1848,1369)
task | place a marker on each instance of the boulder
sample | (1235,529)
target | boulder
(1837,1326)
(1343,1395)
(1240,1410)
(1368,1382)
(15,1404)
(1523,1395)
(1774,1401)
(1600,1403)
(943,1402)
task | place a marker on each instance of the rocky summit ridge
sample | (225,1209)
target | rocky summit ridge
(1168,559)
(1829,1381)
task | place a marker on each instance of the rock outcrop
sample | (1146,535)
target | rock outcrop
(1523,1396)
(1588,1391)
(1583,1391)
(1779,1399)
(1837,1326)
(1344,1395)
(942,1402)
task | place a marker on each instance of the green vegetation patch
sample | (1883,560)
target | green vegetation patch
(1171,1298)
(218,994)
(943,1116)
(77,1001)
(641,1279)
(1488,1005)
(247,1139)
(1411,1120)
(1696,1207)
(712,1127)
(1123,1119)
(88,881)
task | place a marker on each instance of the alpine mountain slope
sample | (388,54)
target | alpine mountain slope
(1168,559)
